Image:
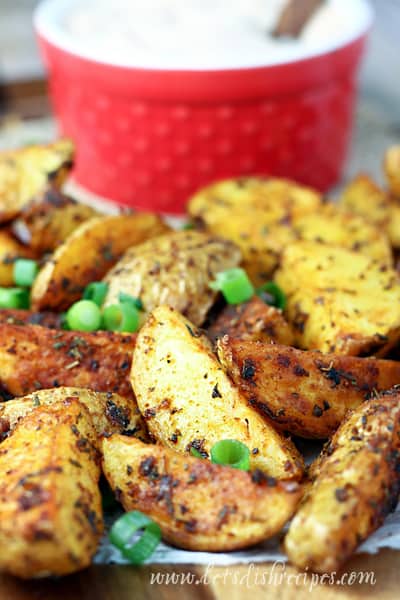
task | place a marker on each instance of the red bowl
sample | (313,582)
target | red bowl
(149,138)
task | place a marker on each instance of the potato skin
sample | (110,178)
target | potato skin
(305,393)
(339,301)
(87,254)
(173,269)
(253,320)
(357,486)
(19,316)
(188,400)
(26,172)
(109,413)
(48,220)
(256,213)
(50,503)
(198,505)
(33,357)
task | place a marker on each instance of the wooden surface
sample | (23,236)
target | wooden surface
(123,583)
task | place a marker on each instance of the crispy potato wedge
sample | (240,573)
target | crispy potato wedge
(49,219)
(252,320)
(392,169)
(198,505)
(26,172)
(18,316)
(339,301)
(110,413)
(87,254)
(34,357)
(336,226)
(50,503)
(256,213)
(188,401)
(357,485)
(305,393)
(10,250)
(173,269)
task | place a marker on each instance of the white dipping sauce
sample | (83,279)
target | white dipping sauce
(196,34)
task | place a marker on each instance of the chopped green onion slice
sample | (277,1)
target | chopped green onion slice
(14,298)
(195,452)
(231,453)
(123,530)
(187,226)
(121,317)
(272,294)
(96,291)
(234,285)
(84,315)
(127,299)
(25,271)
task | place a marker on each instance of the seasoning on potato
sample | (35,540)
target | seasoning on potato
(357,485)
(50,503)
(340,301)
(198,505)
(174,269)
(188,401)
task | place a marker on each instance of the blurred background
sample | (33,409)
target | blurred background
(25,112)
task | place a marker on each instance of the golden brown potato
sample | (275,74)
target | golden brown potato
(49,219)
(10,250)
(339,301)
(198,505)
(110,413)
(50,503)
(18,316)
(256,213)
(336,226)
(86,256)
(188,401)
(392,169)
(357,485)
(174,269)
(305,393)
(34,358)
(364,197)
(252,320)
(26,172)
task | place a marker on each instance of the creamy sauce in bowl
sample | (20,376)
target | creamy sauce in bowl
(194,34)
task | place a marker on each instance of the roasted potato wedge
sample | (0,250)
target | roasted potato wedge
(34,357)
(188,401)
(198,505)
(49,219)
(50,503)
(357,485)
(256,213)
(10,250)
(364,197)
(110,413)
(17,316)
(26,172)
(305,393)
(87,254)
(336,226)
(338,300)
(252,320)
(392,169)
(173,269)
